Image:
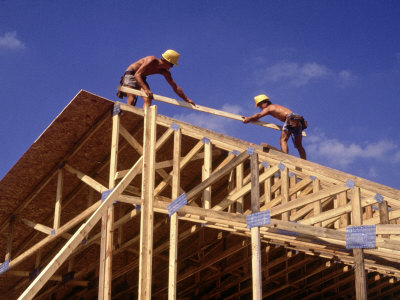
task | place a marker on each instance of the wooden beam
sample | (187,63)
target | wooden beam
(108,244)
(57,208)
(198,107)
(255,231)
(359,269)
(9,239)
(207,169)
(86,179)
(174,235)
(147,214)
(285,191)
(239,185)
(77,238)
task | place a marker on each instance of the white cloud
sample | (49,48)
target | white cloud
(297,75)
(341,154)
(10,41)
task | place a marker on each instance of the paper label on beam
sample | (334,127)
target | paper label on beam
(258,219)
(361,236)
(175,205)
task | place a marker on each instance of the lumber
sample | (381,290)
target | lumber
(77,238)
(174,234)
(147,212)
(255,231)
(198,108)
(359,270)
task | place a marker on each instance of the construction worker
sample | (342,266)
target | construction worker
(294,124)
(135,76)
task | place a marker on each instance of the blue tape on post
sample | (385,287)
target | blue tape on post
(105,194)
(236,152)
(206,140)
(313,178)
(137,207)
(175,205)
(174,126)
(116,110)
(265,164)
(84,242)
(53,232)
(374,207)
(291,175)
(281,166)
(349,183)
(5,266)
(378,198)
(258,219)
(361,236)
(250,150)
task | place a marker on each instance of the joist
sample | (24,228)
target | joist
(198,107)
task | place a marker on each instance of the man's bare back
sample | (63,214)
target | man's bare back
(150,65)
(277,111)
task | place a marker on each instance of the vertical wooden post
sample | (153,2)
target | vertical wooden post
(147,214)
(239,184)
(173,248)
(207,169)
(285,191)
(255,231)
(107,228)
(267,187)
(57,209)
(10,238)
(342,201)
(317,204)
(359,270)
(384,215)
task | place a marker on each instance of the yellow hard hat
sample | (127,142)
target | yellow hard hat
(171,56)
(260,98)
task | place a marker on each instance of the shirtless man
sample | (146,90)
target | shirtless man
(135,77)
(293,123)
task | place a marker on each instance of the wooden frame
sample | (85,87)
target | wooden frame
(208,239)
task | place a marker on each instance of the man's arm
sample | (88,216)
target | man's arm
(139,74)
(176,88)
(255,117)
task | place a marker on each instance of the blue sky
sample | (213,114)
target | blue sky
(335,62)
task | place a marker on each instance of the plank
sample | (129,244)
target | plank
(147,212)
(174,235)
(77,238)
(359,268)
(198,108)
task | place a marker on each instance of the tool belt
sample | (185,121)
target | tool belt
(297,121)
(120,94)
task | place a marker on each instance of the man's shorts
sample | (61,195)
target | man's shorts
(128,79)
(293,124)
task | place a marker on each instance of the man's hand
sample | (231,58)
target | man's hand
(191,102)
(149,94)
(245,120)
